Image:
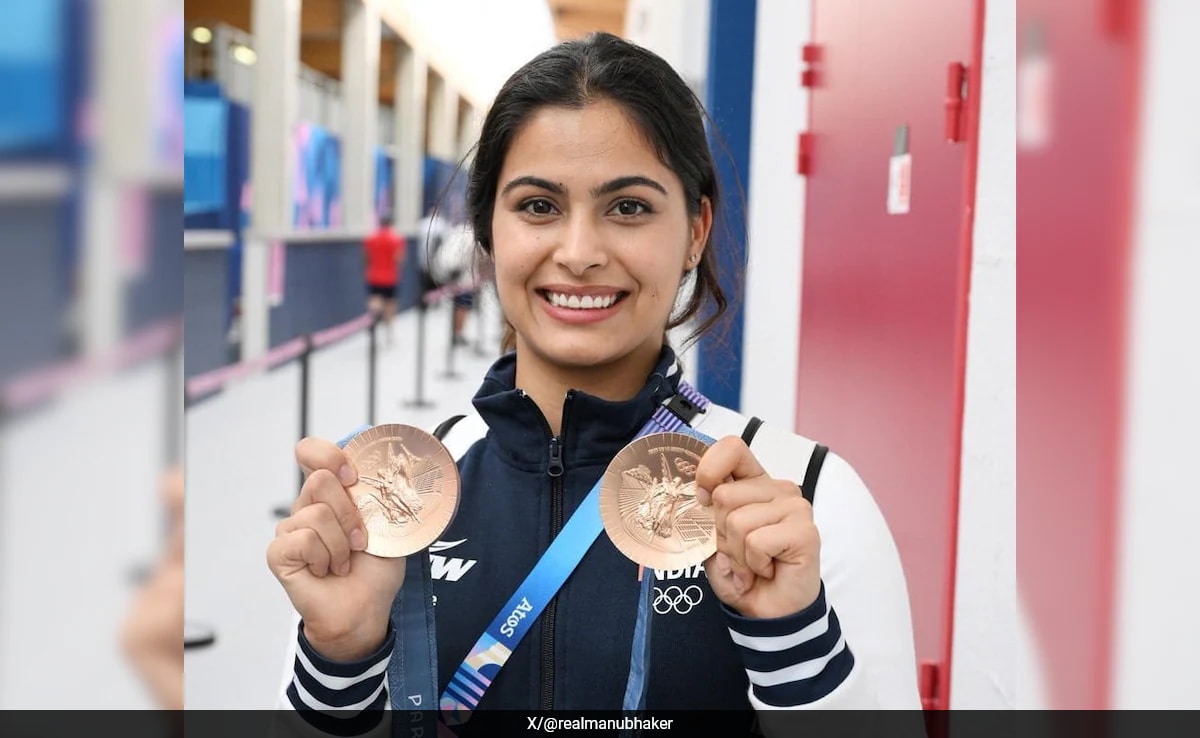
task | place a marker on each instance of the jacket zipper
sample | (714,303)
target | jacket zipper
(555,471)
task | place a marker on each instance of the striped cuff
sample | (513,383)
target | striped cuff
(342,698)
(793,660)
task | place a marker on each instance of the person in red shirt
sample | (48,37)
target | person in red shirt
(384,251)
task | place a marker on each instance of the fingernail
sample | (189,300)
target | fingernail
(739,583)
(346,474)
(358,539)
(723,564)
(344,569)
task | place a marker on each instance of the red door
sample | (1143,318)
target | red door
(883,306)
(1074,179)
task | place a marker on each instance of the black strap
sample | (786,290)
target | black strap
(808,487)
(441,431)
(751,429)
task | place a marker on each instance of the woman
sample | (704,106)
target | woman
(592,197)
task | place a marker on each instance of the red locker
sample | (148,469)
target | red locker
(887,254)
(1075,163)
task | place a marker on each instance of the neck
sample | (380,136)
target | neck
(547,383)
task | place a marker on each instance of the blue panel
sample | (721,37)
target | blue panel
(155,295)
(445,189)
(730,87)
(31,69)
(33,298)
(205,293)
(323,288)
(204,159)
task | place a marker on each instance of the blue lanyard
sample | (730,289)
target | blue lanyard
(416,669)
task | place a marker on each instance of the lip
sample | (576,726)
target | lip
(580,317)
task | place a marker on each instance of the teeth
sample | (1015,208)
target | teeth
(587,302)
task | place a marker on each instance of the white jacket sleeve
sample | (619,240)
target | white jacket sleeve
(331,698)
(853,648)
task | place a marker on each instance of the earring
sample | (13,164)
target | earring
(692,258)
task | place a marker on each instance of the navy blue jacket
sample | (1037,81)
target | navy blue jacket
(519,484)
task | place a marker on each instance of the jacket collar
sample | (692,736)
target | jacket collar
(593,429)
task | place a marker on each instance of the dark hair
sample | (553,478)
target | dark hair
(385,221)
(605,67)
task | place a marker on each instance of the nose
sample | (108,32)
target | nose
(582,247)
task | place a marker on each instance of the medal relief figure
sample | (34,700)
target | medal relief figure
(395,495)
(666,499)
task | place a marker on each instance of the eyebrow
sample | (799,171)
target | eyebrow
(613,185)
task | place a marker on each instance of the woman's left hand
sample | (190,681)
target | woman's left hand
(768,560)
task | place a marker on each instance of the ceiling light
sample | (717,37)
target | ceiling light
(244,54)
(201,35)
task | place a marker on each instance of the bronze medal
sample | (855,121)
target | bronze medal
(648,502)
(407,489)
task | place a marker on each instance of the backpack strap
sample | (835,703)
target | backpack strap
(808,487)
(751,429)
(441,431)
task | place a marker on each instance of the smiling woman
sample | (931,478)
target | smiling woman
(592,197)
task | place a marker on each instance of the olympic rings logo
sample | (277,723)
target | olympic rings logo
(677,599)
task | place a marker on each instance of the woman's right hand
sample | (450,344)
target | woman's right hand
(343,594)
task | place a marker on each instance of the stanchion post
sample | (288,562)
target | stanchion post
(304,396)
(477,314)
(372,353)
(450,373)
(419,400)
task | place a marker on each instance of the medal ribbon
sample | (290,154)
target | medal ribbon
(494,647)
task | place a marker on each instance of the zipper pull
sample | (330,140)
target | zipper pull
(556,466)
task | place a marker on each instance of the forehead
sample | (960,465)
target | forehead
(581,144)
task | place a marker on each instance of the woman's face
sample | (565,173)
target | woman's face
(591,238)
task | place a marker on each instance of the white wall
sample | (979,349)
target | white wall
(676,30)
(770,353)
(1157,600)
(983,665)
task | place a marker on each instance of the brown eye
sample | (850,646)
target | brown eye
(631,208)
(539,207)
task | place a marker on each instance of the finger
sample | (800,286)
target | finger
(323,487)
(296,550)
(314,454)
(784,541)
(320,518)
(726,569)
(741,523)
(725,459)
(730,496)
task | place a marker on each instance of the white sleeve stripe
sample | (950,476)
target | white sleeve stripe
(784,642)
(336,682)
(795,672)
(349,711)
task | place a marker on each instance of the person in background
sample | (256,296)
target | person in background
(384,251)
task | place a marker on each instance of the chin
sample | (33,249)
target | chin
(580,355)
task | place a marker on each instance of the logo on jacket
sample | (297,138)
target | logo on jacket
(445,567)
(677,599)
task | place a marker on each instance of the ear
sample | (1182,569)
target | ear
(700,230)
